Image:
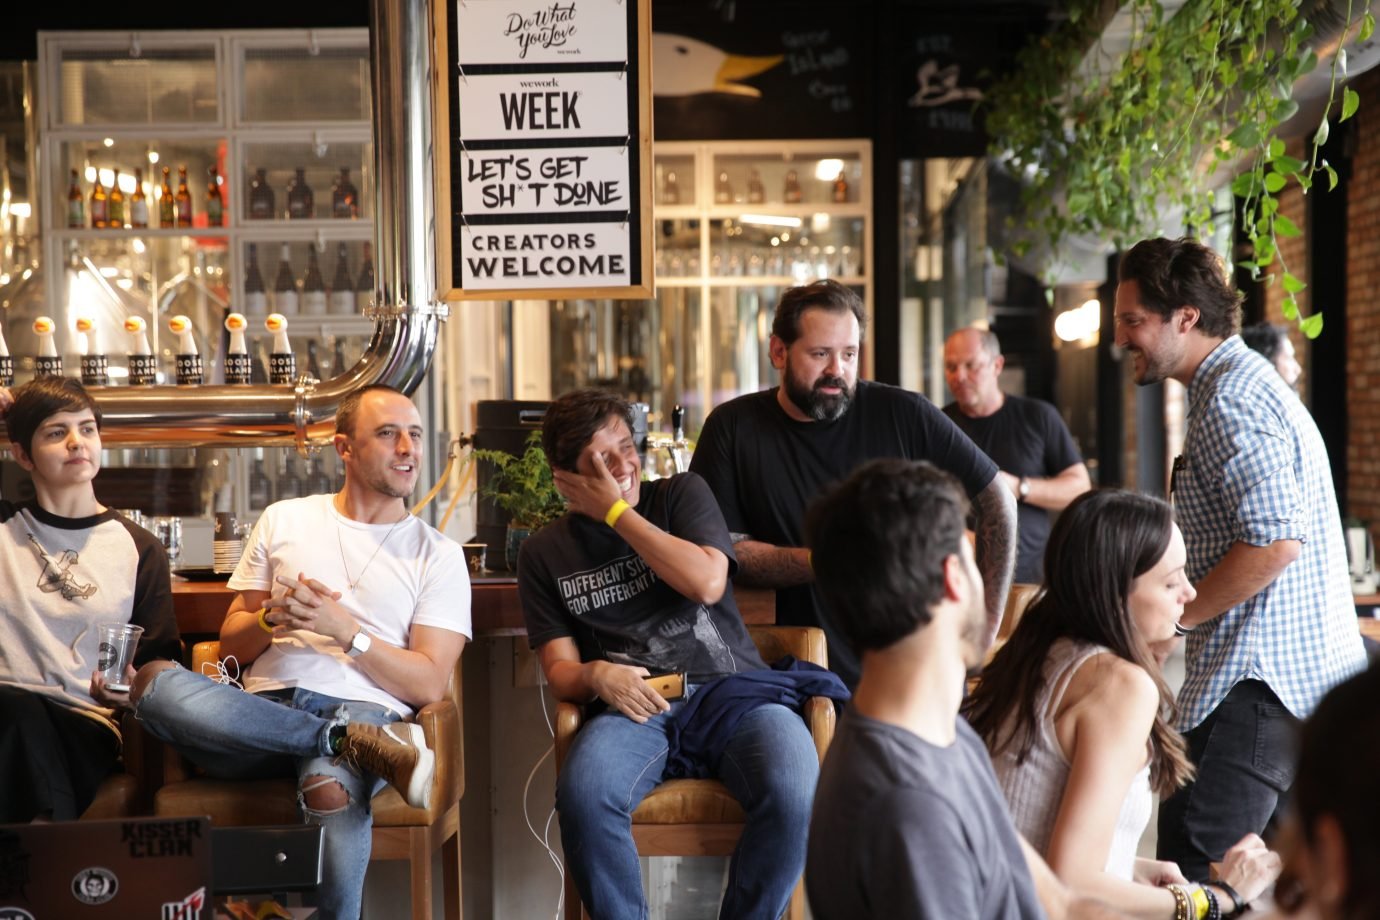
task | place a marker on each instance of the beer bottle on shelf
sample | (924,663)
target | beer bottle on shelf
(792,194)
(757,192)
(318,483)
(284,286)
(344,197)
(342,288)
(183,199)
(260,196)
(167,208)
(76,204)
(840,192)
(115,209)
(313,301)
(138,203)
(301,205)
(364,287)
(255,294)
(723,189)
(314,360)
(670,190)
(215,201)
(99,204)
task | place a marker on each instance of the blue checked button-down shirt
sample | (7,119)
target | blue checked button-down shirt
(1255,470)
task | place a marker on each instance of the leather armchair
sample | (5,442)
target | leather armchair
(400,831)
(129,792)
(700,817)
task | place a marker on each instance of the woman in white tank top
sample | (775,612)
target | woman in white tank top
(1078,718)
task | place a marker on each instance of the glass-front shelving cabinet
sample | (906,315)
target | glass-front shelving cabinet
(198,173)
(735,225)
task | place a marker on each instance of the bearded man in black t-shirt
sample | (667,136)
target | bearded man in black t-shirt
(632,583)
(767,455)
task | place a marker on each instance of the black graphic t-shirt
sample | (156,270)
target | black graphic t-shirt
(578,578)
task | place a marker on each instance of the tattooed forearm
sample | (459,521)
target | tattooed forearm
(762,565)
(996,549)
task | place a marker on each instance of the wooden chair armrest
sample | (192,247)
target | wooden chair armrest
(569,717)
(820,717)
(440,724)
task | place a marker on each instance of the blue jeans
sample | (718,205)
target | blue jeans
(236,735)
(1245,753)
(770,766)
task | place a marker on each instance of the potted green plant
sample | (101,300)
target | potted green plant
(522,486)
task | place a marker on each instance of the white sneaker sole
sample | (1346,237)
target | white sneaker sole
(418,792)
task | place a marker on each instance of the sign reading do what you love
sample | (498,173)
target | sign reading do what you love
(548,108)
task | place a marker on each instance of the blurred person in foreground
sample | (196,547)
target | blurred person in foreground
(1331,842)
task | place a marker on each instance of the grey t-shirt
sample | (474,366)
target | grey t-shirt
(902,828)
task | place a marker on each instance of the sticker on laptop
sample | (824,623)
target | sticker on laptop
(94,885)
(189,908)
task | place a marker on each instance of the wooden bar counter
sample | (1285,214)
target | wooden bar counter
(495,610)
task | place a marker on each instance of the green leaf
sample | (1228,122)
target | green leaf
(1320,136)
(1286,109)
(1312,326)
(1341,60)
(1290,309)
(1274,182)
(1367,28)
(1247,135)
(1276,148)
(1293,285)
(1243,185)
(1350,103)
(1331,177)
(1287,165)
(1251,267)
(1286,227)
(1306,63)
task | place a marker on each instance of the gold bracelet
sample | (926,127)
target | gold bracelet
(616,512)
(1182,905)
(263,621)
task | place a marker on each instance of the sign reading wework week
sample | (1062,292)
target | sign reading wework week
(549,112)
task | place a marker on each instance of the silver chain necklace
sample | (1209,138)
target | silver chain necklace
(352,584)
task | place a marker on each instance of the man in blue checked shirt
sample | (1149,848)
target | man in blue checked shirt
(1273,626)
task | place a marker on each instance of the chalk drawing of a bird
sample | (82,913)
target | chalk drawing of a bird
(939,86)
(684,66)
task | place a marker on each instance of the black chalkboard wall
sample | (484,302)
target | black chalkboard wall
(913,70)
(820,88)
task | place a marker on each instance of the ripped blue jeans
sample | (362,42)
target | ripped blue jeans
(236,735)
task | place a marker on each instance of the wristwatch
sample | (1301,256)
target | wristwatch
(359,644)
(1023,489)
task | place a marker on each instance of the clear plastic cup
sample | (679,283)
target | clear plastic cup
(116,653)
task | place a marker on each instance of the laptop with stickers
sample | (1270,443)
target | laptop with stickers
(155,868)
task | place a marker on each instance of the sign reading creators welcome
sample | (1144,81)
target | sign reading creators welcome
(547,177)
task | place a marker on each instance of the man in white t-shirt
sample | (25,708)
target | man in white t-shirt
(351,613)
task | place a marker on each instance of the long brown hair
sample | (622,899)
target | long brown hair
(1101,543)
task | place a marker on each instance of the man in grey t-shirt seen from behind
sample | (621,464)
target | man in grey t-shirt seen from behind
(908,818)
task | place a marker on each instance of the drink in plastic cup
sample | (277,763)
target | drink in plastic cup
(116,653)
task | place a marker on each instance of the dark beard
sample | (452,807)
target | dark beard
(822,407)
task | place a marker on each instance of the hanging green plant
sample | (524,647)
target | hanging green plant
(1105,144)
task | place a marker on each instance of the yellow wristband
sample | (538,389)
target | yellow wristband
(1199,897)
(263,621)
(616,512)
